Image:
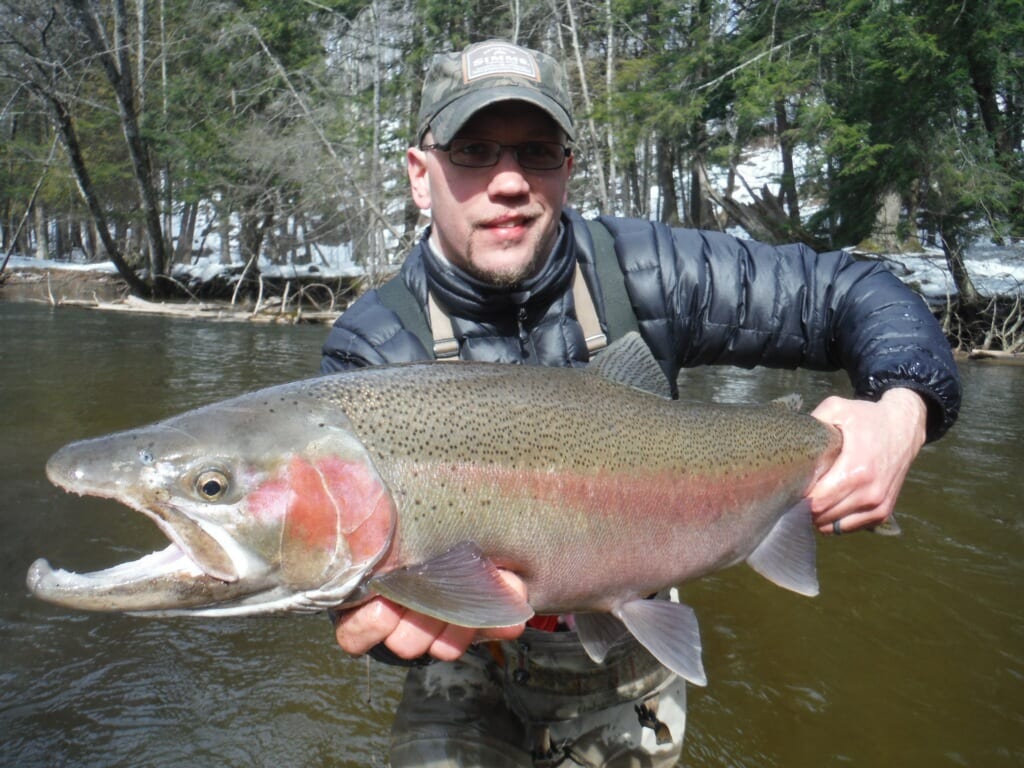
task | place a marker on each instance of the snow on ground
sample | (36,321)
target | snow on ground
(995,269)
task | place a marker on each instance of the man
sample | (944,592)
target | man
(506,273)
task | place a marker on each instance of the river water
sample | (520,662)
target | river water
(913,654)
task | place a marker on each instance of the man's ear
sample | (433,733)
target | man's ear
(568,173)
(419,182)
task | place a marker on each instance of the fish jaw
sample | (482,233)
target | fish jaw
(151,584)
(260,521)
(203,563)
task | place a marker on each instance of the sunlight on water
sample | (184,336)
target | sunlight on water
(913,654)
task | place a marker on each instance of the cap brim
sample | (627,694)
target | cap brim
(446,123)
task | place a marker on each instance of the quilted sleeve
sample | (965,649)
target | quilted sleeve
(709,298)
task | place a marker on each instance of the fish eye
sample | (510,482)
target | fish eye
(211,484)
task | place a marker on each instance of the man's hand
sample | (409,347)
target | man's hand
(410,635)
(880,440)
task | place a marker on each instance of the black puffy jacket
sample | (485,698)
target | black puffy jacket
(698,298)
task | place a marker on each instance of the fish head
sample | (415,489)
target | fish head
(270,501)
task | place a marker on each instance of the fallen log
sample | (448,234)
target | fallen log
(996,355)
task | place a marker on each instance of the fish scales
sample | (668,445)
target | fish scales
(417,481)
(527,456)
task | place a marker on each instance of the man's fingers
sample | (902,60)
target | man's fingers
(360,629)
(414,635)
(850,523)
(880,440)
(410,635)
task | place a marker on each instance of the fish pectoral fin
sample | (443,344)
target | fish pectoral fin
(786,556)
(670,632)
(460,587)
(598,632)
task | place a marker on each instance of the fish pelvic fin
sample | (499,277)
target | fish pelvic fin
(669,631)
(461,587)
(786,556)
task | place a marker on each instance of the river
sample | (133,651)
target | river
(913,654)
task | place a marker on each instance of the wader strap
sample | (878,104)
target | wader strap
(446,346)
(439,337)
(586,313)
(618,309)
(396,296)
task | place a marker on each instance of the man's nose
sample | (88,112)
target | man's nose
(508,177)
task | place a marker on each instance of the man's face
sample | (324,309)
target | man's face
(500,223)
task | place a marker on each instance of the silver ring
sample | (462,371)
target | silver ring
(837,529)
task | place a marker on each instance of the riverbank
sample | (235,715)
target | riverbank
(95,287)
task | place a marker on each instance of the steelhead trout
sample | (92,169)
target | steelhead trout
(418,481)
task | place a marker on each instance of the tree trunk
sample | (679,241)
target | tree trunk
(665,159)
(117,67)
(884,236)
(66,129)
(42,233)
(595,142)
(955,261)
(187,232)
(252,229)
(224,230)
(788,181)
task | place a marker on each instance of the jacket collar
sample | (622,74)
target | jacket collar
(465,296)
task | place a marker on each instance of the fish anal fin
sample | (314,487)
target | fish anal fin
(460,586)
(669,631)
(786,556)
(598,632)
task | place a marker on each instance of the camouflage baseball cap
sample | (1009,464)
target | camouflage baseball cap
(460,84)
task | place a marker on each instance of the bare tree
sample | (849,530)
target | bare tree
(116,63)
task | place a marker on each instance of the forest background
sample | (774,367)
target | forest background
(142,132)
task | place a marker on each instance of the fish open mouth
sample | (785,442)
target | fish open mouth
(202,564)
(76,589)
(165,581)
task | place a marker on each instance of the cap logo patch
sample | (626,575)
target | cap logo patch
(491,59)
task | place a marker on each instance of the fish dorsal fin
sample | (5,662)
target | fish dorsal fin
(794,401)
(629,361)
(786,556)
(669,631)
(598,632)
(460,586)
